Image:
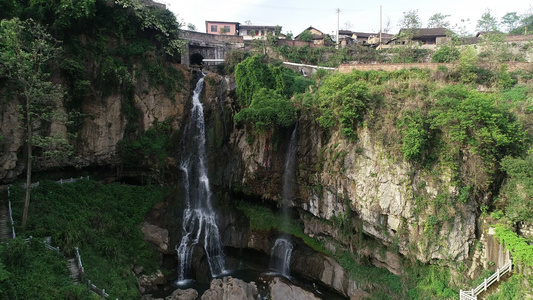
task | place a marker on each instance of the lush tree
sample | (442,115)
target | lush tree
(306,36)
(526,23)
(510,20)
(160,21)
(26,50)
(410,20)
(268,108)
(487,22)
(438,20)
(191,27)
(289,35)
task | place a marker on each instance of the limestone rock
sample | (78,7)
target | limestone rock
(188,294)
(280,290)
(229,288)
(148,283)
(156,235)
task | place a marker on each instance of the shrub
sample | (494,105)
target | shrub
(267,110)
(342,101)
(446,54)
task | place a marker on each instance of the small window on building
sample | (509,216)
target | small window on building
(214,28)
(226,29)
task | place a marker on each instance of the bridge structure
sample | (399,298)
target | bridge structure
(203,47)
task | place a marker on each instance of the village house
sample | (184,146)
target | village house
(253,32)
(318,37)
(426,37)
(221,27)
(347,38)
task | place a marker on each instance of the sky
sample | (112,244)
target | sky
(360,16)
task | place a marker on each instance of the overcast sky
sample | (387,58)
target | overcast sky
(363,16)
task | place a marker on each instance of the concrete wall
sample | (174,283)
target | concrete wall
(347,68)
(295,43)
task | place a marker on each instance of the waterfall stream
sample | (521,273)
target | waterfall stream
(199,219)
(280,254)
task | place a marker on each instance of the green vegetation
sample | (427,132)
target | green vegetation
(511,289)
(262,218)
(446,54)
(102,220)
(150,149)
(263,92)
(343,101)
(521,250)
(30,271)
(266,110)
(26,52)
(517,194)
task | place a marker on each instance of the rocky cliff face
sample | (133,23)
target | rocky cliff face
(384,197)
(104,125)
(338,178)
(344,189)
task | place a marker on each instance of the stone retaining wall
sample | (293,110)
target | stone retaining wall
(347,68)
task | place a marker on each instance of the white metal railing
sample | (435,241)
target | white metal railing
(61,181)
(472,294)
(95,289)
(11,217)
(78,258)
(309,66)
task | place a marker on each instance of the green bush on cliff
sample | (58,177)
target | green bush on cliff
(264,91)
(517,193)
(342,101)
(475,120)
(252,74)
(267,110)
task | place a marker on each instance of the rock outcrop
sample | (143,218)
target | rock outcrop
(229,288)
(149,283)
(280,290)
(157,236)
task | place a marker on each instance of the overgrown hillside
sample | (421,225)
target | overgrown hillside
(398,174)
(441,146)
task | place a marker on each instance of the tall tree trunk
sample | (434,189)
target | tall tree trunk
(28,164)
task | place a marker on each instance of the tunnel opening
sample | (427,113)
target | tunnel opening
(196,59)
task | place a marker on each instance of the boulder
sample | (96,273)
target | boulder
(156,235)
(148,283)
(229,288)
(280,290)
(188,294)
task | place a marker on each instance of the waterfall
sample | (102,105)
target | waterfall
(280,256)
(199,226)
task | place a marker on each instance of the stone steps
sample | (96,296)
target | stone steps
(74,270)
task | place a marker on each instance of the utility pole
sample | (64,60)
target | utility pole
(338,17)
(380,28)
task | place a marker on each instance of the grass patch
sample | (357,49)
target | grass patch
(102,220)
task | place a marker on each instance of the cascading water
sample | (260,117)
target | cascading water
(280,256)
(198,216)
